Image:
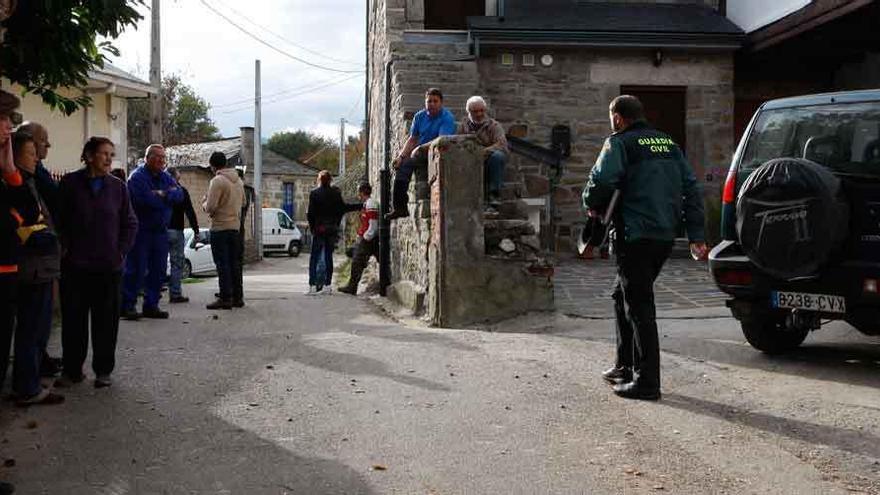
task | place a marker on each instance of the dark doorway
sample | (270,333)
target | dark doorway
(665,109)
(452,14)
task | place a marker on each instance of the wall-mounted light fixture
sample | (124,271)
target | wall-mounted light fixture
(658,57)
(547,60)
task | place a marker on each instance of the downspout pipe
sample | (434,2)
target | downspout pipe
(385,178)
(366,177)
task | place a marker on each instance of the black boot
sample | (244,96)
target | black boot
(400,201)
(618,375)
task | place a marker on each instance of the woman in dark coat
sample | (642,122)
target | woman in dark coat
(97,227)
(38,268)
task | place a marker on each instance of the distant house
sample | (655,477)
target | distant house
(286,183)
(110,89)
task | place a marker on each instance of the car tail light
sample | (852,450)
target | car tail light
(734,277)
(729,196)
(871,285)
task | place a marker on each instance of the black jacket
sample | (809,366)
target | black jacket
(326,209)
(181,210)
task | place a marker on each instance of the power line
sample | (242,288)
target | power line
(271,95)
(295,95)
(269,45)
(282,38)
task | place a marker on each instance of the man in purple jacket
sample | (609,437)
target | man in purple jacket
(98,227)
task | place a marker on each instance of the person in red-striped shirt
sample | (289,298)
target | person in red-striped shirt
(368,238)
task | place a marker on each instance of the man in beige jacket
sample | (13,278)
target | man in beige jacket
(223,205)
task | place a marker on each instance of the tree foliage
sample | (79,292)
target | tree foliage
(52,44)
(315,150)
(184,117)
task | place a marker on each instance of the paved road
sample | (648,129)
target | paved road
(318,395)
(584,287)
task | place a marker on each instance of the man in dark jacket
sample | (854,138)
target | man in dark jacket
(326,209)
(656,185)
(98,227)
(176,239)
(153,194)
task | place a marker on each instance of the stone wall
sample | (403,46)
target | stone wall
(465,285)
(273,193)
(575,91)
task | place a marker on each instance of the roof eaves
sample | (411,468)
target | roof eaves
(606,39)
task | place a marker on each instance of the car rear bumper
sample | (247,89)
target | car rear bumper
(735,275)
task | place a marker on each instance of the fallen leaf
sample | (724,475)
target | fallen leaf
(270,367)
(659,487)
(254,404)
(379,467)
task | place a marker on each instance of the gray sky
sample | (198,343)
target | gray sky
(217,59)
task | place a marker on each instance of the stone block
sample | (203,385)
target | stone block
(408,295)
(536,185)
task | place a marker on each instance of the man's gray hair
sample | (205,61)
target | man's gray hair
(474,100)
(150,149)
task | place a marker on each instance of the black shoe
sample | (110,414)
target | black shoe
(155,314)
(220,304)
(617,376)
(238,303)
(50,367)
(395,214)
(130,314)
(348,290)
(178,299)
(632,390)
(65,381)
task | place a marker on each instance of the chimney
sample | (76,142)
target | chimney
(247,148)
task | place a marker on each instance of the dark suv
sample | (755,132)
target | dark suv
(801,219)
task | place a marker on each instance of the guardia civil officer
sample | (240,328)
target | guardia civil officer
(657,189)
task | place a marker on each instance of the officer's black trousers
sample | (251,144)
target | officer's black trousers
(638,265)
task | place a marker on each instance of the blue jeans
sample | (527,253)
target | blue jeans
(495,164)
(321,260)
(178,261)
(225,250)
(147,262)
(31,336)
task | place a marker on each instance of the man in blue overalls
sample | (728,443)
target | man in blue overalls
(153,194)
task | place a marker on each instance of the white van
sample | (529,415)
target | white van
(280,234)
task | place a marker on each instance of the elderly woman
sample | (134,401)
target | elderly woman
(98,227)
(38,268)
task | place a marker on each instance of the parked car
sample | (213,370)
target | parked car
(199,258)
(280,234)
(801,219)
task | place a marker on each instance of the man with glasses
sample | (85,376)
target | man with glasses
(153,195)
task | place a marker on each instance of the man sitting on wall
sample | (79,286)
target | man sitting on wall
(490,135)
(427,125)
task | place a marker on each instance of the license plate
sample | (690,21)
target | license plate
(810,302)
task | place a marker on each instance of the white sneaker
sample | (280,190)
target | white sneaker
(313,291)
(325,291)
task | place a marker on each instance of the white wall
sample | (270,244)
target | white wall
(751,15)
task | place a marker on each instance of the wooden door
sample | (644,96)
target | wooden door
(665,109)
(452,14)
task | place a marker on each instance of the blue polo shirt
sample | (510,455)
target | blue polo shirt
(427,128)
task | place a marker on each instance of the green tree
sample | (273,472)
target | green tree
(306,147)
(184,117)
(52,44)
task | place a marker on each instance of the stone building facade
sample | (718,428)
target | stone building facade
(543,65)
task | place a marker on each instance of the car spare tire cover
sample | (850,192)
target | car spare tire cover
(790,217)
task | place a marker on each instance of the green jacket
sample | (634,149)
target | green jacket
(658,187)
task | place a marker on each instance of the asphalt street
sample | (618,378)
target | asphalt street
(315,395)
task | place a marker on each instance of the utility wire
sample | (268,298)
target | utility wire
(269,95)
(295,95)
(271,46)
(282,38)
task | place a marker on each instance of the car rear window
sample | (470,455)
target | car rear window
(844,138)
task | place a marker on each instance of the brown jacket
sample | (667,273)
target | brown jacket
(224,200)
(491,134)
